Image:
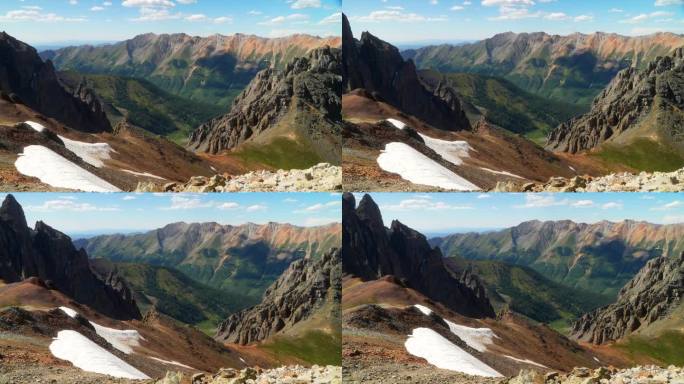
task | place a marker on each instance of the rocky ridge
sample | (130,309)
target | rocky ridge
(294,374)
(371,251)
(49,255)
(631,97)
(377,67)
(614,182)
(308,87)
(305,287)
(634,375)
(26,79)
(647,298)
(322,177)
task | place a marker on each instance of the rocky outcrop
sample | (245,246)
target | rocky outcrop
(635,375)
(377,67)
(286,374)
(303,289)
(370,251)
(305,96)
(614,182)
(49,255)
(26,79)
(647,298)
(322,177)
(655,93)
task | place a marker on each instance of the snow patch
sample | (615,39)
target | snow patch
(36,126)
(572,169)
(502,173)
(145,174)
(123,340)
(476,338)
(172,363)
(417,168)
(526,361)
(444,354)
(597,360)
(83,353)
(51,168)
(426,311)
(451,151)
(69,312)
(397,123)
(93,154)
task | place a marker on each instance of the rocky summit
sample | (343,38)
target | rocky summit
(647,298)
(614,182)
(649,100)
(26,79)
(635,375)
(322,177)
(377,67)
(307,92)
(304,288)
(371,251)
(294,374)
(49,255)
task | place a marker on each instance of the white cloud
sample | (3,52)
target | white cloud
(498,3)
(484,196)
(420,203)
(557,16)
(295,17)
(673,219)
(196,18)
(228,205)
(187,202)
(616,10)
(665,3)
(646,16)
(148,3)
(255,12)
(128,198)
(256,207)
(97,8)
(533,200)
(302,4)
(457,8)
(398,16)
(186,1)
(289,200)
(73,2)
(36,14)
(332,19)
(612,205)
(223,20)
(582,18)
(583,204)
(68,205)
(156,14)
(668,206)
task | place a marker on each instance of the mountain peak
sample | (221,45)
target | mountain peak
(12,211)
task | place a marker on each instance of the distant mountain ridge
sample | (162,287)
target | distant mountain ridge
(600,257)
(243,259)
(210,69)
(573,68)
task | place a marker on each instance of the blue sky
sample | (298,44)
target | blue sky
(445,212)
(49,21)
(406,21)
(129,212)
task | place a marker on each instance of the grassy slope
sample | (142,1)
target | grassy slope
(506,105)
(179,296)
(148,106)
(666,348)
(527,292)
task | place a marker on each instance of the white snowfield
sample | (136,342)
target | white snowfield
(145,174)
(93,154)
(451,151)
(476,338)
(444,354)
(37,126)
(172,363)
(123,340)
(425,310)
(502,173)
(397,123)
(52,169)
(88,356)
(417,168)
(526,361)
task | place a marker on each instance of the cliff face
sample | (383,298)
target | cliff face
(370,251)
(25,78)
(307,92)
(300,292)
(377,67)
(650,100)
(648,297)
(49,255)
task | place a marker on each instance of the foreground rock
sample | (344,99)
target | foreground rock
(615,182)
(323,177)
(635,375)
(283,375)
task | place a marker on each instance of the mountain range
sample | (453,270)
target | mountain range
(240,260)
(600,257)
(573,68)
(210,69)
